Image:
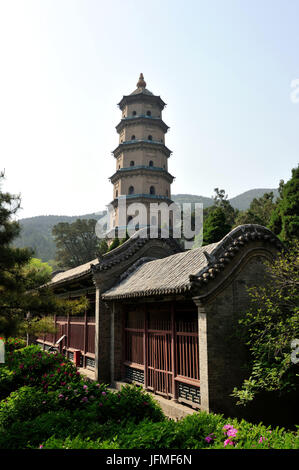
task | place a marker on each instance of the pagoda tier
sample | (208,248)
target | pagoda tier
(141,157)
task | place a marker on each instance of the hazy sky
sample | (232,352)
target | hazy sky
(224,68)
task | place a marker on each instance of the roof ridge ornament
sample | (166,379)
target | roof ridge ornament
(141,82)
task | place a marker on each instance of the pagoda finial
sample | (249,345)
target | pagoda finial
(141,83)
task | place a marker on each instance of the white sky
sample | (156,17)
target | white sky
(224,69)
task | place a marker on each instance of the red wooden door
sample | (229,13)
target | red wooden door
(159,363)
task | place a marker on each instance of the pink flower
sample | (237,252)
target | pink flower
(84,399)
(61,395)
(85,387)
(228,442)
(41,446)
(232,432)
(100,404)
(104,393)
(208,439)
(261,439)
(227,427)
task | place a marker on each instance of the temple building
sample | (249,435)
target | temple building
(141,157)
(161,316)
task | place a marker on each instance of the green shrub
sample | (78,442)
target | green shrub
(38,368)
(8,382)
(31,433)
(78,443)
(131,403)
(149,435)
(23,404)
(80,394)
(59,425)
(11,344)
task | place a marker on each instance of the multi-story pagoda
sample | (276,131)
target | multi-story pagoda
(141,156)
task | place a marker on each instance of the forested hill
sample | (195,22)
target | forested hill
(241,202)
(37,231)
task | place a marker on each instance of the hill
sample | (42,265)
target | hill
(37,231)
(242,201)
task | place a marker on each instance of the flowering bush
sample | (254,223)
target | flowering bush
(34,367)
(55,407)
(11,344)
(23,404)
(79,394)
(131,403)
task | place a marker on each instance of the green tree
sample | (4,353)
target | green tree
(215,227)
(284,220)
(20,275)
(103,247)
(76,243)
(221,200)
(259,211)
(269,328)
(114,244)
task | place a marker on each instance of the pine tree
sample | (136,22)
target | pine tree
(20,276)
(215,226)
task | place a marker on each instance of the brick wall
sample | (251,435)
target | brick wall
(226,353)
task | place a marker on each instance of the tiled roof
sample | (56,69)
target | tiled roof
(178,273)
(162,276)
(74,272)
(112,258)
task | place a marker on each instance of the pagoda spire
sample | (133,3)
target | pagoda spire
(141,83)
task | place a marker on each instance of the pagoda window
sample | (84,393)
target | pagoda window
(151,163)
(152,190)
(132,163)
(148,113)
(129,218)
(116,193)
(150,137)
(134,113)
(131,190)
(133,137)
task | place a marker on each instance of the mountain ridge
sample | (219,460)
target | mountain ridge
(36,231)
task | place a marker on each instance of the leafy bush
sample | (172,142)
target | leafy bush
(32,432)
(55,407)
(11,344)
(80,394)
(38,368)
(131,403)
(8,382)
(149,435)
(58,425)
(78,443)
(26,402)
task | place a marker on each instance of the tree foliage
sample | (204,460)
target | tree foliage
(284,220)
(259,212)
(215,226)
(76,243)
(269,328)
(20,275)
